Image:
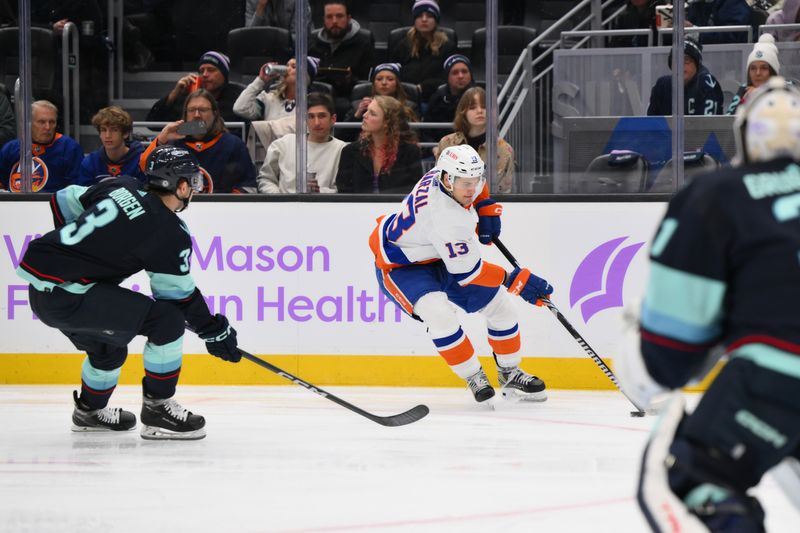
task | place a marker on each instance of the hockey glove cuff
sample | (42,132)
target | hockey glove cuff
(489,213)
(220,339)
(529,287)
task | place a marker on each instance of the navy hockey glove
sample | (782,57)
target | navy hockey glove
(489,213)
(220,339)
(528,286)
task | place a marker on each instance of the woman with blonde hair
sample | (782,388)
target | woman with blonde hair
(470,128)
(386,157)
(422,51)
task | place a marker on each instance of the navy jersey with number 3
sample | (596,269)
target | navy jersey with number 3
(725,268)
(106,233)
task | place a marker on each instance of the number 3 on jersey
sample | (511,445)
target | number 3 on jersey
(104,213)
(402,221)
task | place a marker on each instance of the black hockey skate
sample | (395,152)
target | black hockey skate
(166,419)
(105,419)
(516,384)
(480,386)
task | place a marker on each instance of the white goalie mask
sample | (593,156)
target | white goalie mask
(461,161)
(767,127)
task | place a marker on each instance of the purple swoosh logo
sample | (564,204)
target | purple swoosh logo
(602,286)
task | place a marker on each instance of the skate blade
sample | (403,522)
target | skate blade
(96,429)
(514,395)
(156,433)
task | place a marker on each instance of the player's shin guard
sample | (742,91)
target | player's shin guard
(97,385)
(162,366)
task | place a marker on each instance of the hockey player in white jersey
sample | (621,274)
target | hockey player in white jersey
(427,257)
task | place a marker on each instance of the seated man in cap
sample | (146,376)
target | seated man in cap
(212,75)
(702,94)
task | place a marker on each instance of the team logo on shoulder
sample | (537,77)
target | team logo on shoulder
(39,176)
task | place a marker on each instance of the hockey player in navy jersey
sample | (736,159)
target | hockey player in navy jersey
(427,258)
(725,273)
(104,234)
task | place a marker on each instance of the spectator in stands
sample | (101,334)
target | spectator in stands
(788,14)
(470,128)
(278,13)
(118,155)
(442,105)
(223,157)
(255,103)
(422,51)
(56,157)
(762,64)
(702,92)
(638,14)
(345,55)
(212,75)
(386,158)
(8,124)
(720,13)
(385,80)
(279,169)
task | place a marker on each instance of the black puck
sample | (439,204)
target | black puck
(637,413)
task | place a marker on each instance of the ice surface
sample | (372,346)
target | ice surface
(280,459)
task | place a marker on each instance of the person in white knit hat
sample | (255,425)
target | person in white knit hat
(762,64)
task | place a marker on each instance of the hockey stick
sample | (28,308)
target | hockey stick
(401,419)
(575,335)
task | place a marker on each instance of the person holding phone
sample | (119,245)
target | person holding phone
(212,75)
(223,157)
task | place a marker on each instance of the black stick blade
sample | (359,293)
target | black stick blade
(402,419)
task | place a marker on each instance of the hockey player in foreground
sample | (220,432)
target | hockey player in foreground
(103,235)
(724,270)
(427,257)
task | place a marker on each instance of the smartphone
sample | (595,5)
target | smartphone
(193,127)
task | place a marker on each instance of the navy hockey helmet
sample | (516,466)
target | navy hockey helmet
(167,165)
(768,125)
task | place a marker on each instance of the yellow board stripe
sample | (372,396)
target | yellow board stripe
(322,370)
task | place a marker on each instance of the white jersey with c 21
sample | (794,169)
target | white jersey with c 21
(429,226)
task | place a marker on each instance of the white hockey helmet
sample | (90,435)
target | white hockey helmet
(461,161)
(768,125)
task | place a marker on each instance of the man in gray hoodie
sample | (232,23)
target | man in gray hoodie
(345,55)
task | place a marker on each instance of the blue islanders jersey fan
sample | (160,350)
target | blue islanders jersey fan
(97,165)
(224,162)
(55,165)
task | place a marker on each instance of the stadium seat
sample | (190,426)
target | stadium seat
(381,17)
(621,171)
(511,41)
(694,162)
(43,61)
(249,48)
(200,27)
